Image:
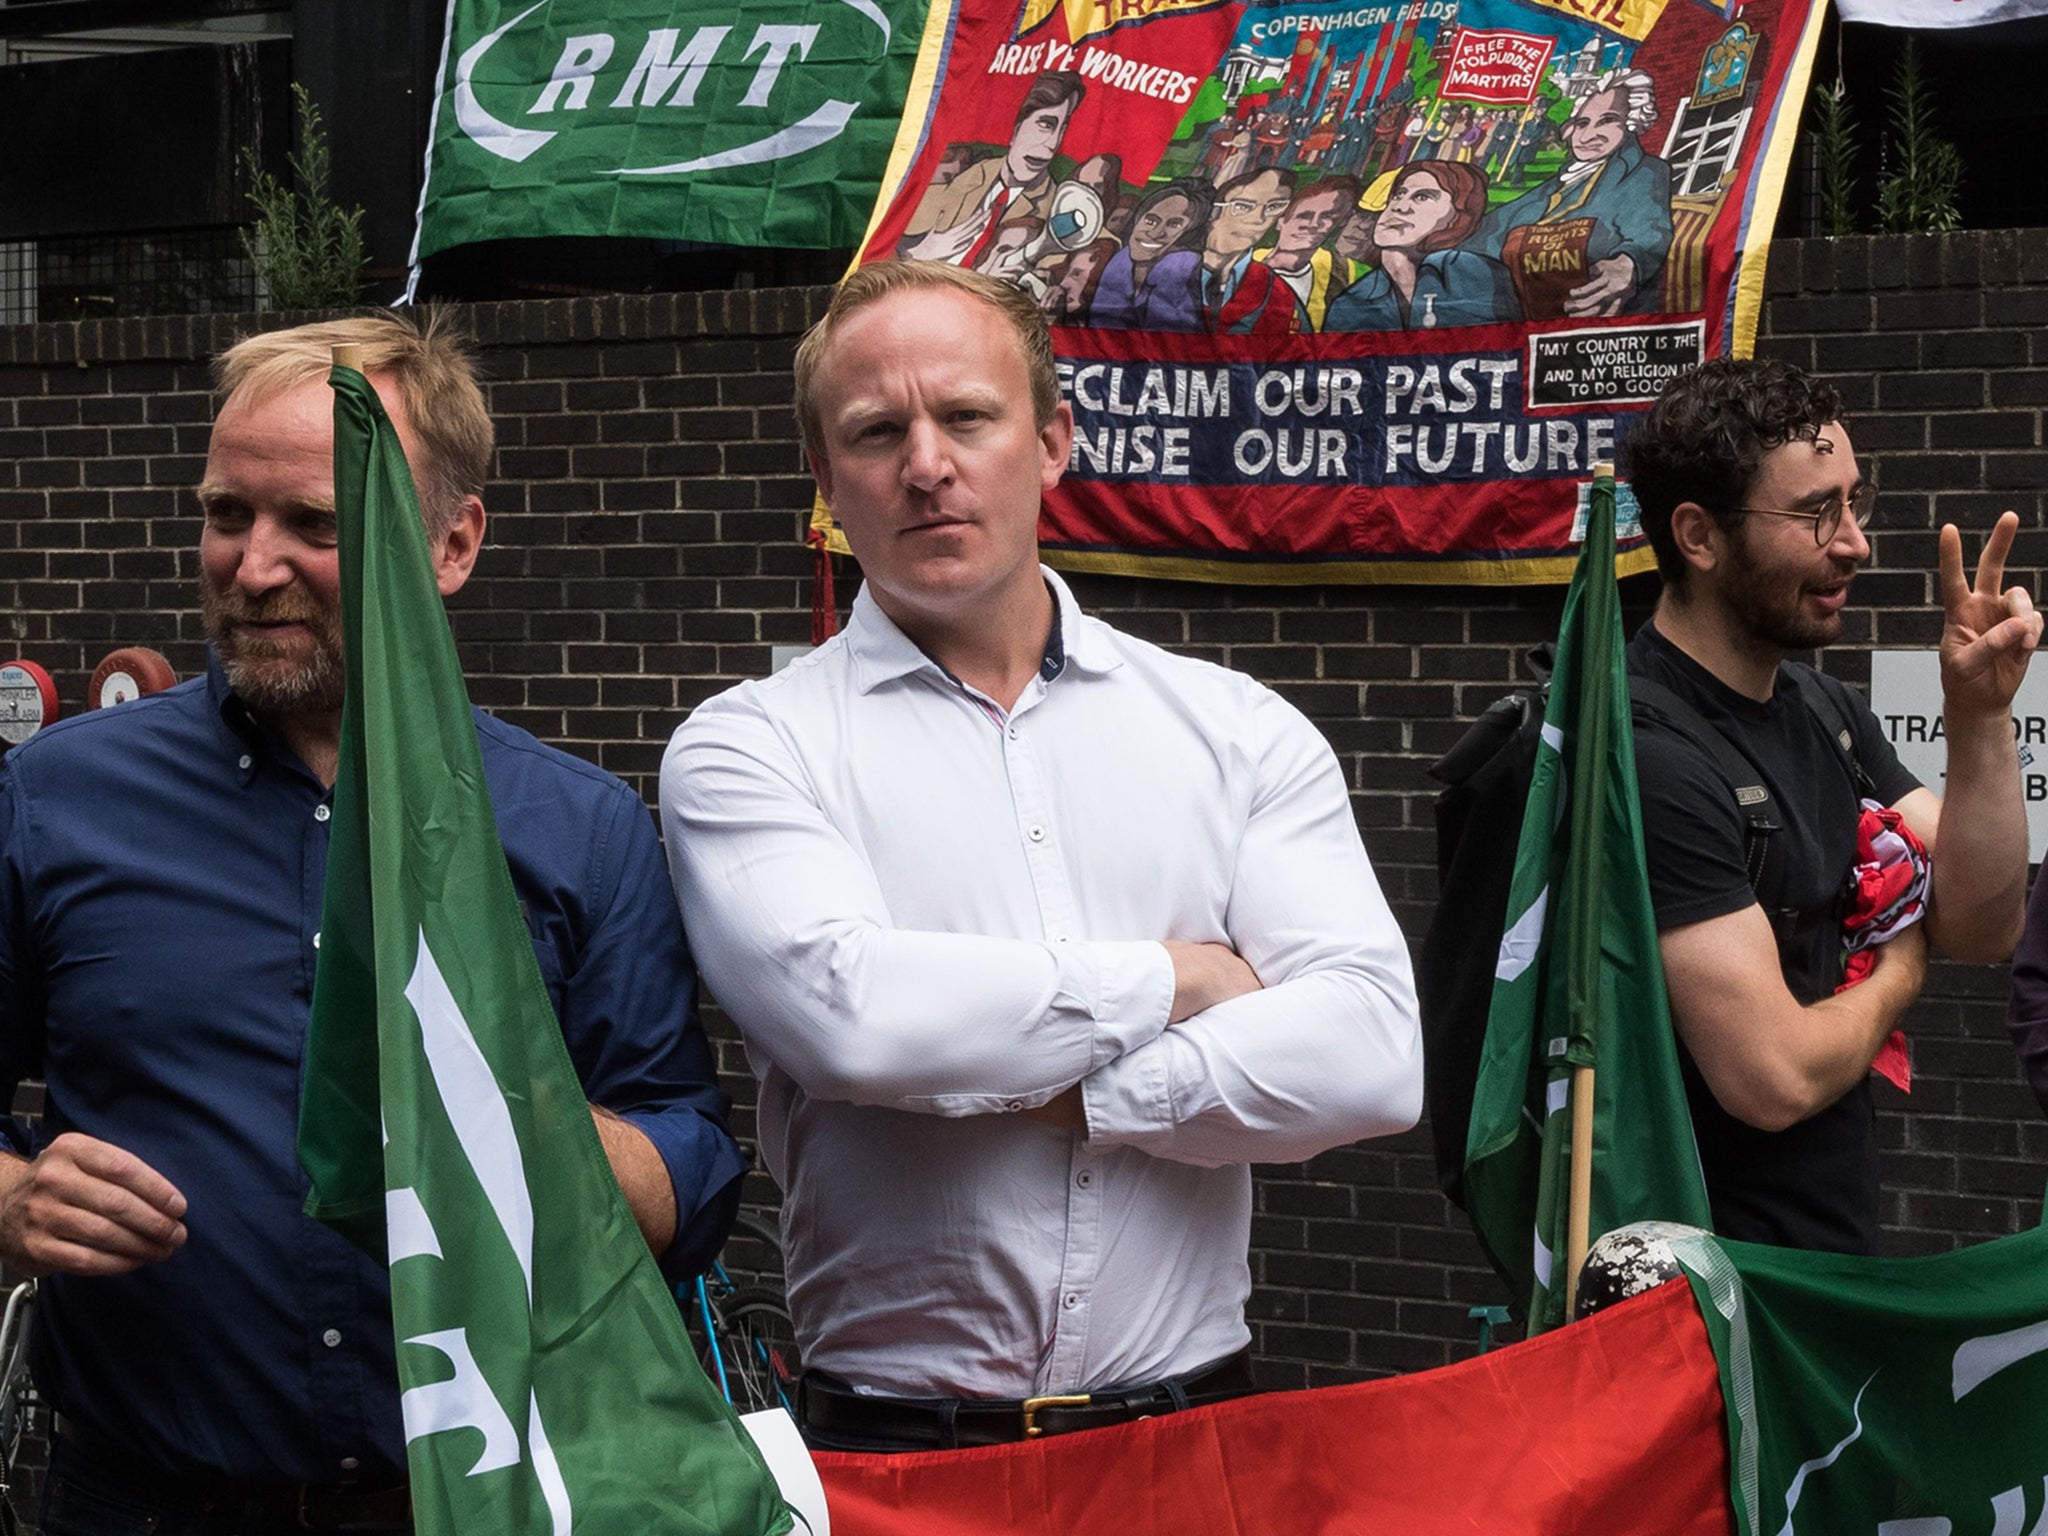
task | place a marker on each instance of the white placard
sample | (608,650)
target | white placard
(1905,692)
(782,1447)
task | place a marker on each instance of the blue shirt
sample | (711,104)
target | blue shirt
(161,874)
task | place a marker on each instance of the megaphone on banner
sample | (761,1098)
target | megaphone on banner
(1075,218)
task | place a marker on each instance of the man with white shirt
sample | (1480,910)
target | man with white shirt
(1037,935)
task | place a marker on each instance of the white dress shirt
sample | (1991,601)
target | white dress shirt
(925,914)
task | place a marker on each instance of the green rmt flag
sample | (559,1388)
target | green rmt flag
(1579,982)
(1881,1397)
(547,1383)
(764,124)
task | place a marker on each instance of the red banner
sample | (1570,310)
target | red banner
(1378,283)
(1612,1425)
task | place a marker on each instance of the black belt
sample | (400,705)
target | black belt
(289,1506)
(834,1409)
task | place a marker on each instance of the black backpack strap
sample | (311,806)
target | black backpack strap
(1818,698)
(1752,796)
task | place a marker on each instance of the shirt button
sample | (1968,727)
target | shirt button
(1013,733)
(1014,1106)
(245,761)
(321,813)
(1036,834)
(349,1463)
(1085,1179)
(1071,1300)
(331,1338)
(316,940)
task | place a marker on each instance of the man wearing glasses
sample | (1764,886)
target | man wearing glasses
(1754,504)
(1223,288)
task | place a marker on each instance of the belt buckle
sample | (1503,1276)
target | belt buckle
(1034,1405)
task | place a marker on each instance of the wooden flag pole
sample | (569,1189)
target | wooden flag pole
(349,355)
(1579,1215)
(1578,1219)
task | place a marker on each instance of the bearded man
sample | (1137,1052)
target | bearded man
(1754,504)
(220,1362)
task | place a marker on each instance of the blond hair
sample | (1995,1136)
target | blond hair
(435,374)
(880,279)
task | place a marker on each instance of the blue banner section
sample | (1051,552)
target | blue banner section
(1373,421)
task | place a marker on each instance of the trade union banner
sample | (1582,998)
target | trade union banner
(665,119)
(1353,291)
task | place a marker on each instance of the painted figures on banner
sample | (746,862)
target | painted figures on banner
(1363,288)
(1364,180)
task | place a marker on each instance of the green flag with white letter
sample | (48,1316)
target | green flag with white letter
(1579,981)
(547,1382)
(767,124)
(1883,1397)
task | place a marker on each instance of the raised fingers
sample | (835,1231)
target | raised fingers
(1991,564)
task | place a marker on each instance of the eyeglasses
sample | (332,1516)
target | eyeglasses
(1827,517)
(1244,207)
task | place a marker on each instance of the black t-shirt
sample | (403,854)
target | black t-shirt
(1813,1185)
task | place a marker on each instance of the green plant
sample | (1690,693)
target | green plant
(306,248)
(1923,172)
(1835,160)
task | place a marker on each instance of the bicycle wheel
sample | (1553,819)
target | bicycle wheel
(758,1345)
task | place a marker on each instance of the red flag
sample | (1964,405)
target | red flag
(1613,1424)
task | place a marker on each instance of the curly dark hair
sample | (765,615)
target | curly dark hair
(1705,440)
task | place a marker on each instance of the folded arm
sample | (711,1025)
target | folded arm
(796,940)
(1328,1050)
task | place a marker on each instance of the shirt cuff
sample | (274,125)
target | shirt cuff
(704,1170)
(1122,991)
(1129,1103)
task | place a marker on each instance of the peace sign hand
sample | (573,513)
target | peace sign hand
(1987,635)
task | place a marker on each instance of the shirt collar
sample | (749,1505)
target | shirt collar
(245,738)
(881,652)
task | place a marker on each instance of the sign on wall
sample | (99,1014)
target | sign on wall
(1353,290)
(1905,692)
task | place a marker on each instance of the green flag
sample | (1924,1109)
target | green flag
(1885,1397)
(547,1381)
(1578,981)
(763,124)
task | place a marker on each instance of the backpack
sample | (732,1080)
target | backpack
(1486,777)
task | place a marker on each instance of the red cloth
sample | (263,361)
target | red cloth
(1613,1424)
(1887,895)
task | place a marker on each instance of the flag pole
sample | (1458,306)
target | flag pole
(1578,1218)
(349,355)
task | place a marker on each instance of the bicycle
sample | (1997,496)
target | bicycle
(743,1334)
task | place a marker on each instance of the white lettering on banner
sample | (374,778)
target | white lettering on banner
(1434,389)
(1140,450)
(1097,64)
(1116,389)
(1297,452)
(464,1401)
(661,67)
(1905,694)
(780,43)
(582,58)
(663,77)
(1310,391)
(1488,447)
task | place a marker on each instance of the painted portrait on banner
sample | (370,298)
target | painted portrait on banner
(1350,290)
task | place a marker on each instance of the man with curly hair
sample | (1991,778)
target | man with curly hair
(1756,508)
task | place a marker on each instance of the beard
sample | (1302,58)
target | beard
(1769,604)
(274,676)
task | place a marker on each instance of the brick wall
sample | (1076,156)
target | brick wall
(644,553)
